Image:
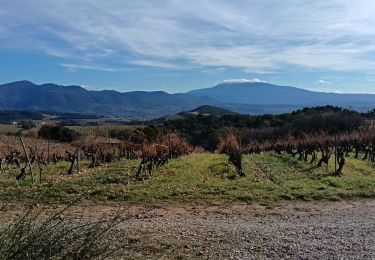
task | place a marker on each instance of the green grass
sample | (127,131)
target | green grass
(8,128)
(100,129)
(202,178)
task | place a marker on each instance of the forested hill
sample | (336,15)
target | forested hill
(205,130)
(245,98)
(25,95)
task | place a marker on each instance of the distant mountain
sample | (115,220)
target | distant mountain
(248,95)
(22,95)
(9,116)
(246,98)
(208,110)
(12,116)
(203,110)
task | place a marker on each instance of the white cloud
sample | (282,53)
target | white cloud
(87,87)
(213,71)
(74,67)
(324,82)
(154,63)
(255,36)
(255,80)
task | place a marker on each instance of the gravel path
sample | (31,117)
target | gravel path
(325,230)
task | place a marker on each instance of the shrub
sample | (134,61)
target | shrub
(58,133)
(27,124)
(32,237)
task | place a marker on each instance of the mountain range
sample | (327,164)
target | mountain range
(244,97)
(22,95)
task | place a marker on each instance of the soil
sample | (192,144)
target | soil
(301,230)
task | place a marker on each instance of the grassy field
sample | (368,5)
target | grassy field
(201,178)
(85,130)
(99,129)
(8,128)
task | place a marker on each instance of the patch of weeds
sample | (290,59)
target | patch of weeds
(224,170)
(286,197)
(32,236)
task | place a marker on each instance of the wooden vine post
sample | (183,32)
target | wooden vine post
(48,151)
(75,162)
(335,153)
(78,160)
(27,158)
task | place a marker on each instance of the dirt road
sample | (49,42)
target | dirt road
(323,230)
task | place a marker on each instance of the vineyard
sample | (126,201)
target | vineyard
(234,157)
(316,150)
(32,155)
(149,164)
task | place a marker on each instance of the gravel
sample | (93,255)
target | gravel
(324,230)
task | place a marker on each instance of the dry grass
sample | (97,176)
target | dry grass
(37,235)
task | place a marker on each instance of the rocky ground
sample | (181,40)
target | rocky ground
(321,230)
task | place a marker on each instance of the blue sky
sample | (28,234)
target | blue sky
(177,45)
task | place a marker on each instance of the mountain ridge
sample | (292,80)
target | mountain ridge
(76,99)
(270,94)
(244,97)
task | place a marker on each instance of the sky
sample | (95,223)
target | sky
(177,45)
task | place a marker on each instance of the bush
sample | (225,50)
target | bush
(27,124)
(122,134)
(58,133)
(32,237)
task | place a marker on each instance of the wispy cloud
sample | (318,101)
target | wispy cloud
(254,36)
(74,67)
(324,82)
(255,80)
(154,63)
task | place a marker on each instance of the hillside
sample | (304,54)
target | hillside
(25,95)
(239,95)
(204,178)
(206,110)
(247,98)
(209,110)
(9,116)
(204,130)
